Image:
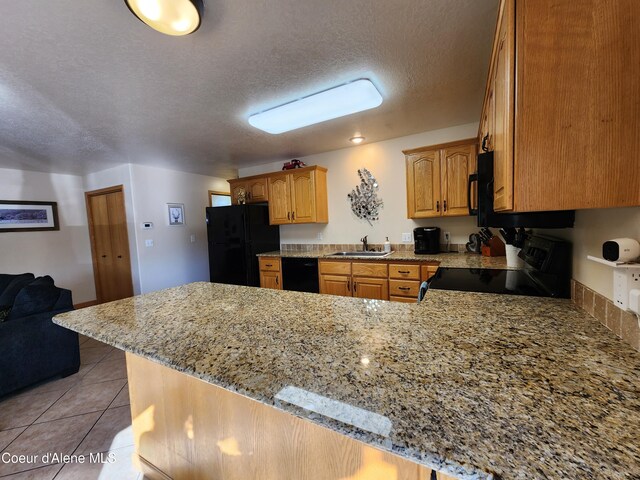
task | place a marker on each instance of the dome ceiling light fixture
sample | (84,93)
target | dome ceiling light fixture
(358,139)
(171,17)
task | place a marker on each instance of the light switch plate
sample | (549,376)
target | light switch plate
(193,238)
(406,237)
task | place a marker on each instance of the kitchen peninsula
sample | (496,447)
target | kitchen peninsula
(471,385)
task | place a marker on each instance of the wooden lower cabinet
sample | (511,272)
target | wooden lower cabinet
(270,272)
(374,288)
(335,285)
(398,282)
(185,428)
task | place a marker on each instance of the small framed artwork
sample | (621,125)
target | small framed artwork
(176,214)
(24,216)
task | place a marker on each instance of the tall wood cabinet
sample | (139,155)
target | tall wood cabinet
(558,110)
(298,196)
(437,179)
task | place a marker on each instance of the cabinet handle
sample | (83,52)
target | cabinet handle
(437,205)
(404,271)
(293,215)
(249,195)
(349,285)
(355,286)
(277,280)
(404,288)
(444,205)
(288,215)
(268,265)
(485,139)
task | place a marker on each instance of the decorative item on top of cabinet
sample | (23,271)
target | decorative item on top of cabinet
(364,198)
(437,179)
(298,196)
(255,190)
(270,272)
(565,135)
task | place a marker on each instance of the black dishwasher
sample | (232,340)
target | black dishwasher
(300,274)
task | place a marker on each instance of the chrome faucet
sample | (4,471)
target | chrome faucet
(365,244)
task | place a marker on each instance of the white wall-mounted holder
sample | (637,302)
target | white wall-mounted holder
(626,279)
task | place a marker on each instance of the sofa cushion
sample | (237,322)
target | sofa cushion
(38,296)
(12,285)
(4,313)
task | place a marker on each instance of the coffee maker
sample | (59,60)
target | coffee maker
(427,240)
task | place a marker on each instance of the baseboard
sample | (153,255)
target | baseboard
(91,303)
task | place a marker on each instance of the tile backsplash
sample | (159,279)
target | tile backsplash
(344,247)
(623,324)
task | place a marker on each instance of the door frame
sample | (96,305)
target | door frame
(94,255)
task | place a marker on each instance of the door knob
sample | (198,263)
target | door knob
(104,256)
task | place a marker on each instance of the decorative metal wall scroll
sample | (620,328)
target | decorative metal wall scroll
(364,198)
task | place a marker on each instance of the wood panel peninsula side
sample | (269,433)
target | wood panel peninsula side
(252,383)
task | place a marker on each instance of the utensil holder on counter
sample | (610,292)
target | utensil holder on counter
(494,249)
(513,260)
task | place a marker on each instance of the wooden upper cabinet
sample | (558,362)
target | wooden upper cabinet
(423,184)
(503,91)
(565,135)
(437,179)
(280,199)
(298,196)
(255,189)
(458,163)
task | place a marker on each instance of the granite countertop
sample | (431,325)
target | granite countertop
(476,385)
(454,260)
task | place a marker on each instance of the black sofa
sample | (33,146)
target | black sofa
(33,347)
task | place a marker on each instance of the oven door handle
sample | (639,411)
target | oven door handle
(472,178)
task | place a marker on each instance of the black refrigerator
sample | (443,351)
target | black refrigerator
(236,234)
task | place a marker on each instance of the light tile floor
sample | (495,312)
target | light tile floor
(86,413)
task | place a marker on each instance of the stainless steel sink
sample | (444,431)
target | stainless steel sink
(360,254)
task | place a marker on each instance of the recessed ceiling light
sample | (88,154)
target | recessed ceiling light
(357,139)
(172,17)
(336,102)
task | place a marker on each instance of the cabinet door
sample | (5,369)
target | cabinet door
(503,81)
(303,197)
(335,285)
(236,189)
(279,199)
(270,279)
(423,185)
(375,288)
(457,163)
(257,190)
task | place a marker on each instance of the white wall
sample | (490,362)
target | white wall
(386,162)
(173,259)
(63,254)
(591,229)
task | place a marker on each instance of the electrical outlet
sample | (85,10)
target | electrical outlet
(447,237)
(320,236)
(406,237)
(148,243)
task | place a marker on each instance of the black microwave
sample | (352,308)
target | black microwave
(487,217)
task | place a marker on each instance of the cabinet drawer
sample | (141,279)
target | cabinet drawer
(404,288)
(335,268)
(403,299)
(269,264)
(410,272)
(370,269)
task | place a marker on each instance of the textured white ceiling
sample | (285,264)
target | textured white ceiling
(84,85)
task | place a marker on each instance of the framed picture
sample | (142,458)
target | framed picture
(219,199)
(23,216)
(176,214)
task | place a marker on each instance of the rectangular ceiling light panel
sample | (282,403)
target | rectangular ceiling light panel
(336,102)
